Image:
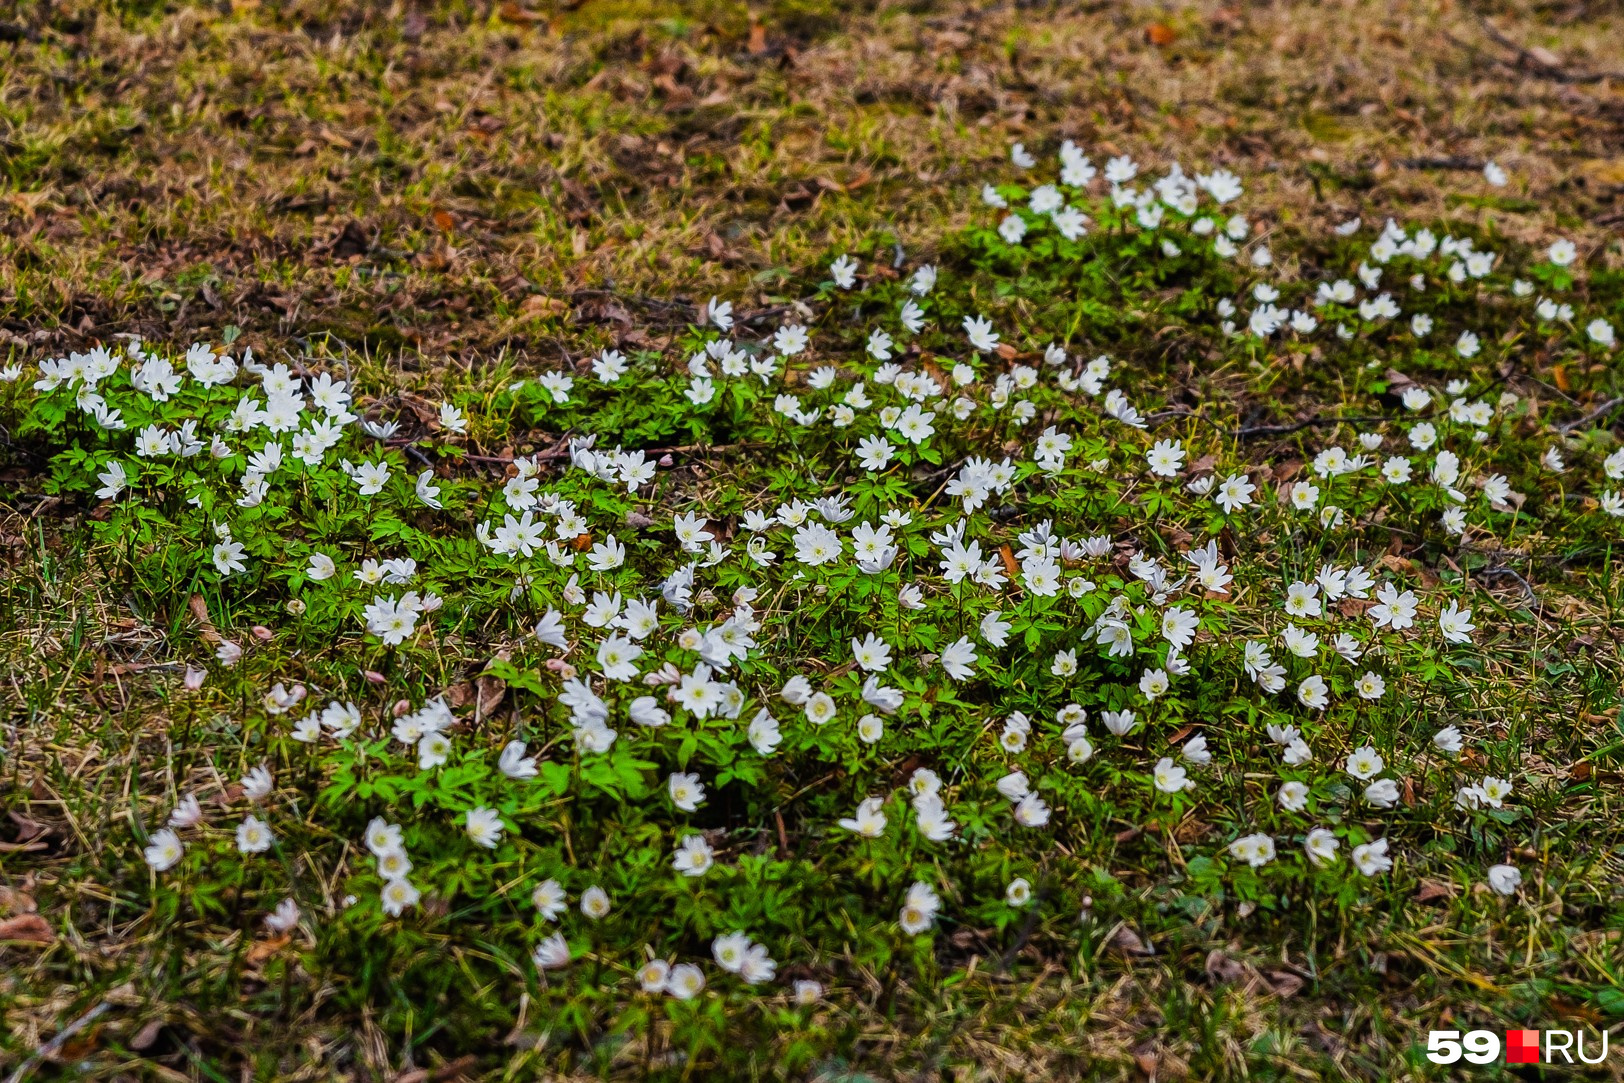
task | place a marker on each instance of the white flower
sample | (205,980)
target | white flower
(188,812)
(694,856)
(1256,850)
(687,792)
(514,763)
(1165,458)
(1371,858)
(382,836)
(1505,879)
(1456,624)
(686,982)
(1383,793)
(958,659)
(653,976)
(872,654)
(549,898)
(1321,846)
(1179,626)
(1235,492)
(609,366)
(919,909)
(719,314)
(1171,777)
(484,826)
(164,850)
(452,419)
(258,783)
(1030,811)
(1302,600)
(1365,763)
(595,903)
(606,555)
(869,820)
(114,480)
(284,917)
(617,658)
(253,836)
(982,336)
(399,894)
(394,865)
(552,953)
(1120,723)
(790,339)
(227,555)
(370,477)
(428,494)
(1154,684)
(1019,892)
(1370,686)
(1393,609)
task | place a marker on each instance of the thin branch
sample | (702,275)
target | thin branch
(1533,599)
(1593,416)
(1528,60)
(54,1046)
(1274,430)
(1455,161)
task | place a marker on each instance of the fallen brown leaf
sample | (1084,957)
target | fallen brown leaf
(539,306)
(27,929)
(1008,557)
(143,1038)
(1432,890)
(451,1069)
(1128,942)
(519,16)
(489,693)
(200,613)
(262,950)
(1223,969)
(13,901)
(1283,983)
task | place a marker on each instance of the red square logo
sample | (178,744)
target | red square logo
(1522,1047)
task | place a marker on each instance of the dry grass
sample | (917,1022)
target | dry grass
(441,184)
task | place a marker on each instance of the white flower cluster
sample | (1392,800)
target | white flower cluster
(664,638)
